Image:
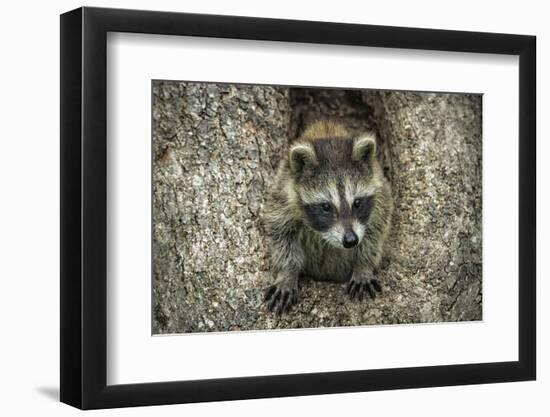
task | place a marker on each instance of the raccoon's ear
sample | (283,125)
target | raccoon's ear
(302,156)
(364,147)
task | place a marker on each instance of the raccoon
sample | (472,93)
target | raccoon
(328,214)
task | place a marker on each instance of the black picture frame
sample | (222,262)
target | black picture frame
(84,207)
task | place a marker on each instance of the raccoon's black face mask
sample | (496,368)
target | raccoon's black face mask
(335,186)
(339,223)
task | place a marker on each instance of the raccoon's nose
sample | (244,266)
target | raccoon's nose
(350,239)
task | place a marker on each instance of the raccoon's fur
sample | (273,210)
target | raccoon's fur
(328,214)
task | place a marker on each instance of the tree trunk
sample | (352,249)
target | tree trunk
(215,148)
(434,142)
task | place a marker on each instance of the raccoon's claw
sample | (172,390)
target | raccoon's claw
(280,298)
(358,289)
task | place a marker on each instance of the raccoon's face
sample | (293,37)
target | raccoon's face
(335,182)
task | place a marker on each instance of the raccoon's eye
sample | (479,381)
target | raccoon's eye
(357,203)
(325,207)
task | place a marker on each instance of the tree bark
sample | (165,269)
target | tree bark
(215,148)
(435,252)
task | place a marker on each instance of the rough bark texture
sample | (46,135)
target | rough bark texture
(216,148)
(434,143)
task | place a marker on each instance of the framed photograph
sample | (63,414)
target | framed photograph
(256,208)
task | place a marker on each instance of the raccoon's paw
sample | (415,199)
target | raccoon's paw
(358,288)
(280,296)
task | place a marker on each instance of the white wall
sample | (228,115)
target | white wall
(29,175)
